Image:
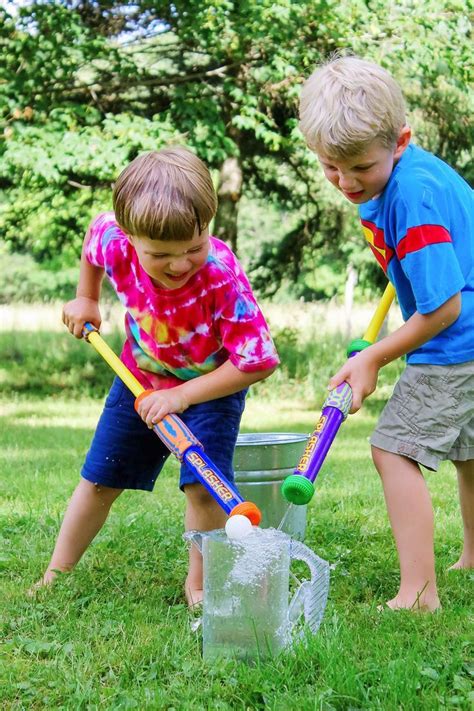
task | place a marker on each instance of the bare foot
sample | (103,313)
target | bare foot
(417,603)
(464,563)
(47,579)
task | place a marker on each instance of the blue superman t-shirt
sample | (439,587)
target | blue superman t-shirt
(421,230)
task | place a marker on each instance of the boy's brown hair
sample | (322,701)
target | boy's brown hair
(165,195)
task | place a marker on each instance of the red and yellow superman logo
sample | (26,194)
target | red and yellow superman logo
(376,239)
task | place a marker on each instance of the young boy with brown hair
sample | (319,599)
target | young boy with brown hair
(194,334)
(417,215)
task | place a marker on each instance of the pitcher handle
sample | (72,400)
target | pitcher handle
(194,537)
(311,597)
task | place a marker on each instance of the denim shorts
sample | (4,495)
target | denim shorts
(430,416)
(125,454)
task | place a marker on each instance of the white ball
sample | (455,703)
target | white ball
(238,527)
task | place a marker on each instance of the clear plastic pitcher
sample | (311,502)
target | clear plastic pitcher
(247,612)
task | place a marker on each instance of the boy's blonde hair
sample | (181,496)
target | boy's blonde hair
(165,195)
(348,103)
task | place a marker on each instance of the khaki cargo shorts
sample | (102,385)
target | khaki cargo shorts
(430,416)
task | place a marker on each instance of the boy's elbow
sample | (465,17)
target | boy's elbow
(263,374)
(454,306)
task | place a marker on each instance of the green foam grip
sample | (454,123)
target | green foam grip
(357,345)
(297,489)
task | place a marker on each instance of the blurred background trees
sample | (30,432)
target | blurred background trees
(85,86)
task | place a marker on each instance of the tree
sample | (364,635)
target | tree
(213,74)
(88,85)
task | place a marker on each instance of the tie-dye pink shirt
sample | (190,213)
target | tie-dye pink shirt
(179,334)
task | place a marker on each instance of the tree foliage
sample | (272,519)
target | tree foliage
(87,85)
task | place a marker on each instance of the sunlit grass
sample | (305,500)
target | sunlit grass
(311,319)
(115,634)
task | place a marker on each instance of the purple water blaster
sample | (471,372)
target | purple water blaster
(298,488)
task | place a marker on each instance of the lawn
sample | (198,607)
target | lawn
(116,633)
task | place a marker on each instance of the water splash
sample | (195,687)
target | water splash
(256,555)
(285,517)
(248,609)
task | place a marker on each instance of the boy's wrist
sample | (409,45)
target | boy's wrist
(186,395)
(376,355)
(86,296)
(205,387)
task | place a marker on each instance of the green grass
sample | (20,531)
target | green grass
(41,364)
(115,634)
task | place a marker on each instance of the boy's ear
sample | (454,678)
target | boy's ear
(402,142)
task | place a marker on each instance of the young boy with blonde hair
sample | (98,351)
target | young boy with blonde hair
(417,215)
(194,334)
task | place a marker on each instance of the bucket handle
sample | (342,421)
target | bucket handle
(194,538)
(311,596)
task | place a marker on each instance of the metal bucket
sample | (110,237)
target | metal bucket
(261,463)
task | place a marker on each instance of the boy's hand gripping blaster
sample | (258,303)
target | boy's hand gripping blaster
(180,440)
(298,488)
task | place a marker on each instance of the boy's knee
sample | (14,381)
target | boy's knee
(465,469)
(99,491)
(377,456)
(384,461)
(198,495)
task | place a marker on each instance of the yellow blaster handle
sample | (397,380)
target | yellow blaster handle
(380,313)
(171,429)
